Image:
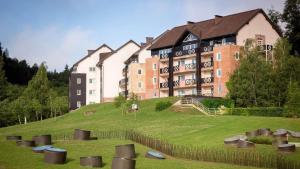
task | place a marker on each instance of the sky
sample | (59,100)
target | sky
(60,32)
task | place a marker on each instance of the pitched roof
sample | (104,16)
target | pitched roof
(90,53)
(227,25)
(104,56)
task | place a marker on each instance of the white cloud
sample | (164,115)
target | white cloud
(55,46)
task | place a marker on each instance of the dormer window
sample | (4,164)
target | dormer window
(211,43)
(223,41)
(190,37)
(164,51)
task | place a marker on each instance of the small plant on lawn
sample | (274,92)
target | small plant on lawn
(162,105)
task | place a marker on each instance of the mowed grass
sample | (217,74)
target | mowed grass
(183,128)
(24,158)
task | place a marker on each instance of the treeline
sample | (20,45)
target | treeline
(272,83)
(30,93)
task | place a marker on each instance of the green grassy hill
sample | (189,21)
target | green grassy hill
(181,128)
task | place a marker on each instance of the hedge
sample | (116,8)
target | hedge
(256,111)
(216,103)
(161,105)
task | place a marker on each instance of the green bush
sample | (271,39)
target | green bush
(162,105)
(292,106)
(257,111)
(261,140)
(216,103)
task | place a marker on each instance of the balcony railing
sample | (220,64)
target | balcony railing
(189,82)
(164,56)
(190,66)
(166,84)
(207,64)
(207,49)
(207,80)
(179,52)
(164,70)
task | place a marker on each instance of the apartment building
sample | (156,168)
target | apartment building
(199,57)
(192,59)
(95,77)
(141,72)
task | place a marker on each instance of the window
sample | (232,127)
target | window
(154,66)
(190,37)
(194,76)
(193,61)
(164,51)
(181,92)
(224,41)
(92,81)
(78,92)
(181,62)
(191,46)
(219,57)
(139,71)
(140,85)
(78,104)
(194,91)
(154,80)
(92,92)
(220,89)
(154,94)
(237,55)
(78,80)
(211,43)
(219,73)
(181,77)
(92,69)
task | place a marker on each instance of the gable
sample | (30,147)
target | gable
(190,37)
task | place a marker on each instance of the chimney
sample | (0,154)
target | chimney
(218,19)
(149,40)
(190,22)
(90,51)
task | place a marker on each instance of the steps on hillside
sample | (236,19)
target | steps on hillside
(193,102)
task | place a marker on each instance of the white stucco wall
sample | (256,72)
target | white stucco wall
(258,25)
(144,54)
(83,67)
(113,66)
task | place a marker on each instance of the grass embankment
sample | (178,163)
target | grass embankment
(176,127)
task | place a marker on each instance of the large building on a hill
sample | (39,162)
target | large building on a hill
(192,59)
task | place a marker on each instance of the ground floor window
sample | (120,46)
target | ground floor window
(78,104)
(181,92)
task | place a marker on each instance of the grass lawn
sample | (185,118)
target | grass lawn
(22,157)
(176,127)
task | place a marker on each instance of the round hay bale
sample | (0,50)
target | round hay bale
(42,139)
(125,151)
(82,134)
(55,156)
(287,147)
(265,132)
(92,161)
(245,144)
(252,133)
(25,143)
(13,138)
(122,163)
(235,139)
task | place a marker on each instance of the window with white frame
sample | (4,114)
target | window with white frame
(193,75)
(237,55)
(92,80)
(154,66)
(92,69)
(78,92)
(181,77)
(139,71)
(220,89)
(224,41)
(181,62)
(194,91)
(190,46)
(219,73)
(78,80)
(190,37)
(78,104)
(219,56)
(211,43)
(154,80)
(164,51)
(92,92)
(193,61)
(181,92)
(140,85)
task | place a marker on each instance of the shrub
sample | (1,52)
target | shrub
(292,106)
(216,103)
(257,111)
(119,100)
(162,105)
(261,140)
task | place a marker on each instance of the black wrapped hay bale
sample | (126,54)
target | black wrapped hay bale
(93,161)
(245,144)
(125,151)
(42,139)
(25,143)
(82,134)
(287,147)
(234,140)
(122,163)
(13,138)
(252,133)
(55,156)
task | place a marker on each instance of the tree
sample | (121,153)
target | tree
(292,106)
(291,16)
(38,88)
(275,17)
(3,81)
(251,83)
